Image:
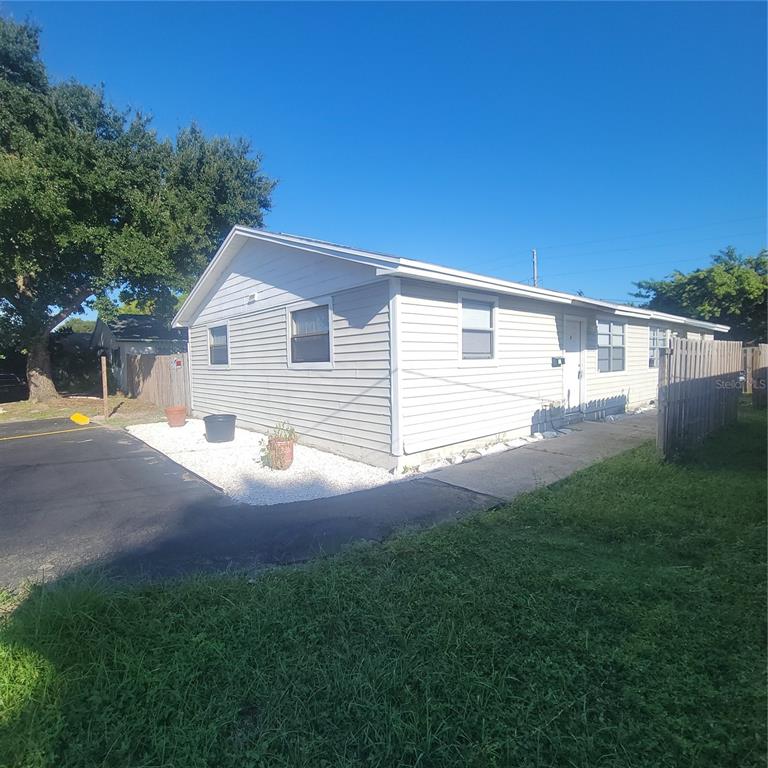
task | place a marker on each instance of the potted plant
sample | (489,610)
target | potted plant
(280,442)
(176,415)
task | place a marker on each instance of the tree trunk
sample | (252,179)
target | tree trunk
(41,386)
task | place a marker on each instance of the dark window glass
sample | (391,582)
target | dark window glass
(217,341)
(310,335)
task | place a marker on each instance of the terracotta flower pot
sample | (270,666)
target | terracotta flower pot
(280,453)
(176,415)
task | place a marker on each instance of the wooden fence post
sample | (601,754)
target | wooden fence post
(104,386)
(698,391)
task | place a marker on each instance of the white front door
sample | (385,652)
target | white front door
(572,368)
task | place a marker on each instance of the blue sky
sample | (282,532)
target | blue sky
(622,140)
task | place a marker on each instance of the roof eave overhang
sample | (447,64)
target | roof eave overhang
(471,282)
(235,239)
(491,285)
(391,266)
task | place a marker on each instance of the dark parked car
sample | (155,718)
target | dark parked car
(12,388)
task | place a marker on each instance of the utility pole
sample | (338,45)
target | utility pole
(535,268)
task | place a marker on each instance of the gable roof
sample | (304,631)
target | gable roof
(394,266)
(129,327)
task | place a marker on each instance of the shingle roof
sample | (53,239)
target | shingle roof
(134,327)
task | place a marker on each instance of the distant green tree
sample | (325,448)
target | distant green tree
(732,291)
(92,202)
(78,325)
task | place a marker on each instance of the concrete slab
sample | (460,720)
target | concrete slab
(506,475)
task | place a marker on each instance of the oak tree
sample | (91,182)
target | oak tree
(94,205)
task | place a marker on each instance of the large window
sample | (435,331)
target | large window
(310,335)
(476,329)
(610,346)
(218,347)
(657,340)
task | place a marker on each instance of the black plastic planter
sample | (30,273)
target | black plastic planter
(220,427)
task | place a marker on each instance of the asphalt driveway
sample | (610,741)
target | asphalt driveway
(73,497)
(77,497)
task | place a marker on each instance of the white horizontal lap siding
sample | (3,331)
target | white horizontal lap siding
(278,275)
(345,410)
(445,400)
(638,382)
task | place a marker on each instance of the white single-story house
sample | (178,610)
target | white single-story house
(394,361)
(131,334)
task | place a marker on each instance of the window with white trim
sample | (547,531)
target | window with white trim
(218,345)
(610,346)
(310,335)
(476,329)
(657,340)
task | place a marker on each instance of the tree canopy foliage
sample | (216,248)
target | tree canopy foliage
(732,291)
(93,204)
(78,325)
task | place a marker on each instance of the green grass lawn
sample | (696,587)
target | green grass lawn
(615,619)
(122,410)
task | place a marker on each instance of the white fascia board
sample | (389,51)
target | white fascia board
(650,314)
(392,266)
(716,327)
(180,319)
(527,290)
(240,234)
(489,285)
(318,246)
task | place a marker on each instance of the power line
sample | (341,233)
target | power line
(622,266)
(657,245)
(655,232)
(639,247)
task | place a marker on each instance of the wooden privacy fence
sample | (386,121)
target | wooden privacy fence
(699,390)
(159,379)
(756,370)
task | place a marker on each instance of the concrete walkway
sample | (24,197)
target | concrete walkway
(506,475)
(98,496)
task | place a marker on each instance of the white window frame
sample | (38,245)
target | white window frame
(324,366)
(665,331)
(218,324)
(610,320)
(493,300)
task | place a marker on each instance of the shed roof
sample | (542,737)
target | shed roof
(130,327)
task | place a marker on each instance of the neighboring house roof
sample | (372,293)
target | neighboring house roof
(394,266)
(73,340)
(128,327)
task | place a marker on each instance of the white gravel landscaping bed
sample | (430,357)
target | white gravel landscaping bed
(236,466)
